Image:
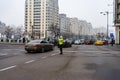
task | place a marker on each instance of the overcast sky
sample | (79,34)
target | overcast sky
(12,11)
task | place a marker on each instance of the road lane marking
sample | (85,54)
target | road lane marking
(53,54)
(87,51)
(44,57)
(3,54)
(7,68)
(29,61)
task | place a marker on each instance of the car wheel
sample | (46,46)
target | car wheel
(52,48)
(28,51)
(42,50)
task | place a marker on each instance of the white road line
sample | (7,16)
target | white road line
(29,61)
(7,68)
(86,51)
(44,57)
(53,54)
(3,54)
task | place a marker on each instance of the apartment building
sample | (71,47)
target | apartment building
(100,30)
(39,16)
(74,27)
(64,25)
(80,28)
(85,28)
(117,20)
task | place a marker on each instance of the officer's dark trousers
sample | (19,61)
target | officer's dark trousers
(61,50)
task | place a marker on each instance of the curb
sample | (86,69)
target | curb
(14,43)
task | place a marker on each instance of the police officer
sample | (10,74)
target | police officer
(60,42)
(112,42)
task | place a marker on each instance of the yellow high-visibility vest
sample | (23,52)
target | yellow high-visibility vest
(60,41)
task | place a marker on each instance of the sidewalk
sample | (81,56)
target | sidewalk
(114,47)
(118,46)
(12,43)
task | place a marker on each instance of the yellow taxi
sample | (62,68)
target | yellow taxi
(98,42)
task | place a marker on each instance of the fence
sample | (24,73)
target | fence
(11,41)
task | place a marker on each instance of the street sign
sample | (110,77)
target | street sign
(111,35)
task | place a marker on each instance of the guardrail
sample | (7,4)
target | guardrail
(12,41)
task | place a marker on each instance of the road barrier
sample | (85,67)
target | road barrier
(12,41)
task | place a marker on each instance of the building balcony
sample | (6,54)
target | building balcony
(117,23)
(118,11)
(118,1)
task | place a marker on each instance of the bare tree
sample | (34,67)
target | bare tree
(8,32)
(54,29)
(18,32)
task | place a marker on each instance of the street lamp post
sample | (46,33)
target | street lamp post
(107,23)
(106,13)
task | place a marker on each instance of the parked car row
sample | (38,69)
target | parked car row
(82,41)
(91,42)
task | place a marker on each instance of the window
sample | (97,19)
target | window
(118,6)
(43,42)
(118,16)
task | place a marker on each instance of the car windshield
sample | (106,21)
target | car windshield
(35,41)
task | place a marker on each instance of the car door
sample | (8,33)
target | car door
(47,45)
(43,45)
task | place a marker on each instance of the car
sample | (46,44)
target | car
(67,43)
(82,41)
(38,46)
(78,42)
(99,42)
(105,42)
(90,41)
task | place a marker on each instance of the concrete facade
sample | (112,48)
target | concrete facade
(117,20)
(39,16)
(64,25)
(80,28)
(74,26)
(85,28)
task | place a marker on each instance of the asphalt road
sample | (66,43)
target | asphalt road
(81,62)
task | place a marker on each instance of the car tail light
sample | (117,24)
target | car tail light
(25,45)
(36,45)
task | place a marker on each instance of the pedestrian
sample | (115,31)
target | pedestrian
(112,42)
(60,44)
(24,40)
(48,39)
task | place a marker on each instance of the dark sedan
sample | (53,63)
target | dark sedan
(38,46)
(67,43)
